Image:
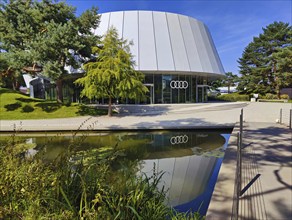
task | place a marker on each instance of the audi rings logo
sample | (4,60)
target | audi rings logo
(179,84)
(181,139)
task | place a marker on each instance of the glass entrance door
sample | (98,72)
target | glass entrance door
(202,95)
(166,90)
(150,93)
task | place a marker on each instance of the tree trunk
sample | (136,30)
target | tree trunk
(278,92)
(59,90)
(13,84)
(110,113)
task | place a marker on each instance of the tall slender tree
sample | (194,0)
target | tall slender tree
(112,75)
(229,80)
(45,32)
(259,64)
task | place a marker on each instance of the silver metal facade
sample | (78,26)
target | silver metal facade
(184,178)
(166,42)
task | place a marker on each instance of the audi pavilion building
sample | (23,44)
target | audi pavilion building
(175,52)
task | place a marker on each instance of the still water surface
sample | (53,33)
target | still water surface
(190,160)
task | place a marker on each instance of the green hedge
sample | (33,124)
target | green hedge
(271,96)
(232,97)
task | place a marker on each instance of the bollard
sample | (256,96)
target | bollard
(281,111)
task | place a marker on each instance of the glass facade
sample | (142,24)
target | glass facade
(163,89)
(174,88)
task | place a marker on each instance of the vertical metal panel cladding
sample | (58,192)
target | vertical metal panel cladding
(180,171)
(116,20)
(167,165)
(131,33)
(162,40)
(177,43)
(103,25)
(209,50)
(218,62)
(200,42)
(147,48)
(190,44)
(165,41)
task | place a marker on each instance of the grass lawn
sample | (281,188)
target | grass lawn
(14,105)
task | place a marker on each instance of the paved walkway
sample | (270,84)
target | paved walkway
(206,116)
(266,175)
(266,159)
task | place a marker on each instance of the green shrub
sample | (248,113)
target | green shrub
(270,96)
(233,97)
(27,108)
(67,102)
(284,96)
(24,183)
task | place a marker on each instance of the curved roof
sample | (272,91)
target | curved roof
(165,42)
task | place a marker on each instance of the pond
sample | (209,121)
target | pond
(189,159)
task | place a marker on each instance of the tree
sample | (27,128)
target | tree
(46,33)
(112,74)
(230,80)
(283,68)
(259,62)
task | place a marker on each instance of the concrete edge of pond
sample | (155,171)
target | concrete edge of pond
(49,126)
(221,204)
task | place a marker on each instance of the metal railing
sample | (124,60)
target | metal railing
(238,178)
(286,117)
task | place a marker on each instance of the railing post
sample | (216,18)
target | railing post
(238,166)
(241,127)
(281,112)
(240,147)
(237,179)
(290,121)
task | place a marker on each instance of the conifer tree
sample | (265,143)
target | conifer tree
(229,80)
(283,69)
(112,75)
(262,70)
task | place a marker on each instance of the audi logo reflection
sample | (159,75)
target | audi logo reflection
(180,139)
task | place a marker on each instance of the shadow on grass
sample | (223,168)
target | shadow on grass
(49,107)
(29,100)
(3,90)
(12,107)
(27,108)
(87,110)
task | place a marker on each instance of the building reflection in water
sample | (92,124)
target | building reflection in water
(189,180)
(184,177)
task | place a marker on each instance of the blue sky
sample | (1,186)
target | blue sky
(232,23)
